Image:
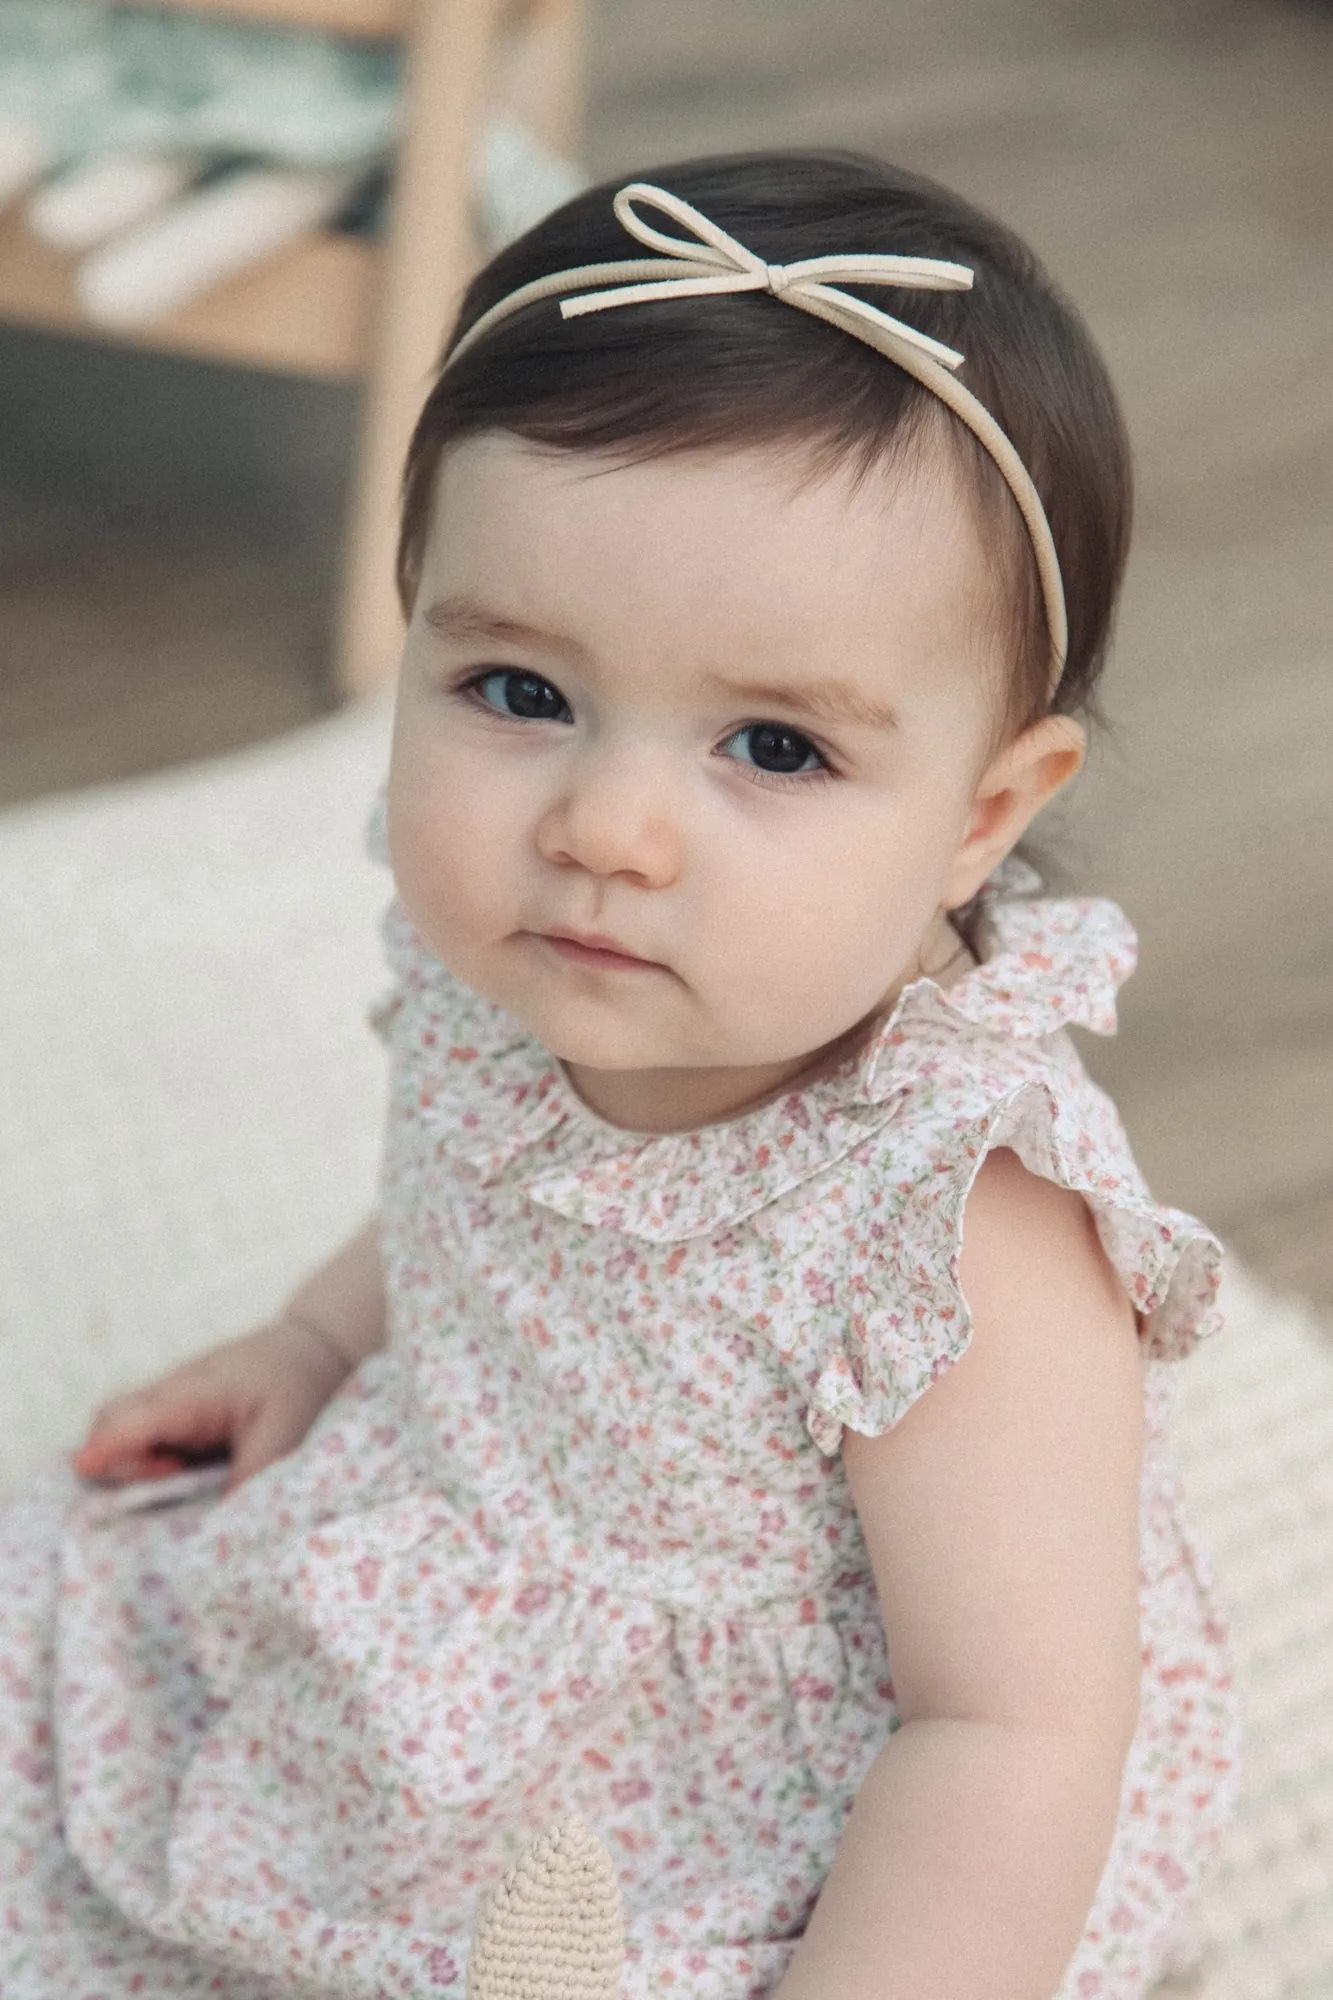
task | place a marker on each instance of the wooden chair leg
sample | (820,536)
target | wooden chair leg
(427,261)
(541,78)
(533,55)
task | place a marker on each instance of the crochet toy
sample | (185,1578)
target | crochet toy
(554,1928)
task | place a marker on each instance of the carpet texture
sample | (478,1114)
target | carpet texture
(191,1118)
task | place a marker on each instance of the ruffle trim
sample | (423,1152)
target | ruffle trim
(889,1354)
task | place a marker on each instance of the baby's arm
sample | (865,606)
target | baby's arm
(1001,1516)
(255,1398)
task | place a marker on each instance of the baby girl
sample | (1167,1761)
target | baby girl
(742,1423)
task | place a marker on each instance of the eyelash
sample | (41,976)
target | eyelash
(470,690)
(780,781)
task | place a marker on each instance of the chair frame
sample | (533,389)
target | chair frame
(342,309)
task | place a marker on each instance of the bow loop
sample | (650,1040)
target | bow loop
(711,244)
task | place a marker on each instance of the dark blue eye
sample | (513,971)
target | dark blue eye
(771,746)
(526,696)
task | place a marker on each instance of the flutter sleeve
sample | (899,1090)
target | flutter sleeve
(873,1310)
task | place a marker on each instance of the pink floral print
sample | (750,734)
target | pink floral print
(579,1539)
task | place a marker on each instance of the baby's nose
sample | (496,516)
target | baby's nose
(615,816)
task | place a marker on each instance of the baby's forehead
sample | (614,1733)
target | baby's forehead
(792,554)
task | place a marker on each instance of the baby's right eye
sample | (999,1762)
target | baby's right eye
(527,697)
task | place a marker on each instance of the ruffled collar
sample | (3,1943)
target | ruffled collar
(1047,963)
(503,1108)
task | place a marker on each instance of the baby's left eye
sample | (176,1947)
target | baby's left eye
(771,746)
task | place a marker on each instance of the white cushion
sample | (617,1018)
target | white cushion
(191,1101)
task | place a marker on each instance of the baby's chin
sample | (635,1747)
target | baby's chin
(609,1044)
(591,1037)
(638,1022)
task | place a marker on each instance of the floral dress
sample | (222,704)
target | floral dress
(579,1539)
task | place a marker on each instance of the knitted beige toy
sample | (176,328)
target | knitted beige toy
(554,1928)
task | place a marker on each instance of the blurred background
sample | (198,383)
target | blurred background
(171,528)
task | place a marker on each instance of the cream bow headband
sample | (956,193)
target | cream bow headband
(716,262)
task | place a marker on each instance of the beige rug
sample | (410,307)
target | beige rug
(189,1117)
(1254,1429)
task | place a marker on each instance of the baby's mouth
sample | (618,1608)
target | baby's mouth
(594,949)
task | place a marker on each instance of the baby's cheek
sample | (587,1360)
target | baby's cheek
(861,946)
(445,870)
(798,973)
(451,912)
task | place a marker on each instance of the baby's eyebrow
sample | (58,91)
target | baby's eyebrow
(466,620)
(825,700)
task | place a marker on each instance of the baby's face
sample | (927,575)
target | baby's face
(686,758)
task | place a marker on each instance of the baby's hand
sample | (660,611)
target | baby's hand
(251,1400)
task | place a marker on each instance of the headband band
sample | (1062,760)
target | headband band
(716,262)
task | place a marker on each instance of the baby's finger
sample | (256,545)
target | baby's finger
(120,1432)
(152,1430)
(118,1410)
(130,1470)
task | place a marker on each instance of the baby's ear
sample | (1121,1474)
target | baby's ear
(1019,780)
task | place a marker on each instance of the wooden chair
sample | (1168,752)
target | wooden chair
(337,307)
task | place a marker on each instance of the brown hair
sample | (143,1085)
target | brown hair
(743,370)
